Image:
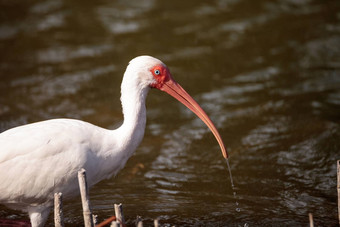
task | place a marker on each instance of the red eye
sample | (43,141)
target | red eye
(161,75)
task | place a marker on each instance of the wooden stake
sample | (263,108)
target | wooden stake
(58,210)
(119,213)
(140,224)
(156,223)
(338,187)
(84,192)
(95,220)
(311,221)
(115,224)
(139,221)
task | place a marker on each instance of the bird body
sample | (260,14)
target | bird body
(39,159)
(47,160)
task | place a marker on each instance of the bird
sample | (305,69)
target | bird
(43,158)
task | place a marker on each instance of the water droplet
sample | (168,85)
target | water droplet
(230,175)
(233,187)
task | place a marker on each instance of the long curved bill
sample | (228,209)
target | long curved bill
(175,90)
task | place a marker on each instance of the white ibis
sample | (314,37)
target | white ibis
(39,159)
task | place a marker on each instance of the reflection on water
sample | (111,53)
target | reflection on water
(267,72)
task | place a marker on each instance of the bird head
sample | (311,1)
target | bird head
(156,74)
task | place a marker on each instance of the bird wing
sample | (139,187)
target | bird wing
(40,158)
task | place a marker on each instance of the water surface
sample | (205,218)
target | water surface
(267,72)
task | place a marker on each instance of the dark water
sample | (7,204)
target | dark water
(266,71)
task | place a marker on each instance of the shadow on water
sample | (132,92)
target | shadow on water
(267,72)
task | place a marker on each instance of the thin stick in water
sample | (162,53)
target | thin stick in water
(311,221)
(139,221)
(119,213)
(95,220)
(84,192)
(58,210)
(115,224)
(156,223)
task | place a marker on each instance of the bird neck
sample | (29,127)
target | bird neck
(133,98)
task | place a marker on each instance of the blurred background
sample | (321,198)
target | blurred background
(266,71)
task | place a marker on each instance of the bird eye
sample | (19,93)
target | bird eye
(157,72)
